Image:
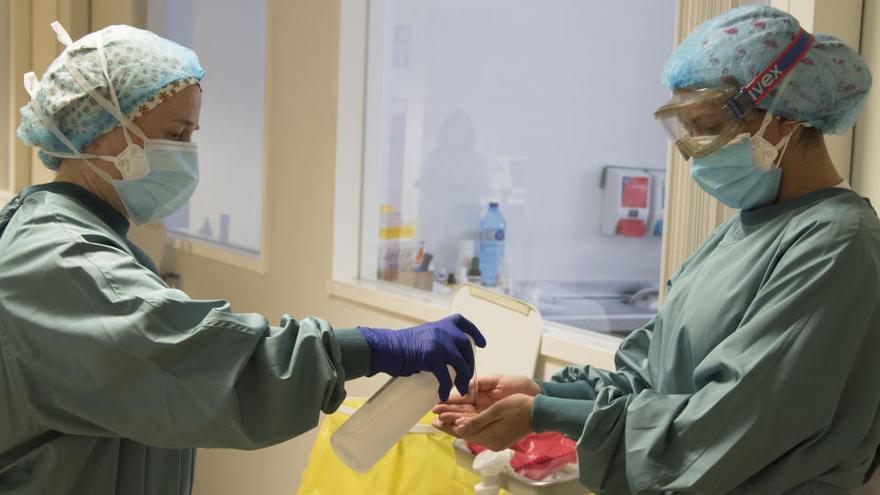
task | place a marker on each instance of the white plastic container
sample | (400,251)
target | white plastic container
(490,465)
(384,419)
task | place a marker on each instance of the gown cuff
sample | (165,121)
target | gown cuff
(567,390)
(567,416)
(355,353)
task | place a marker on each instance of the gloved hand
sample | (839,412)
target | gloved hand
(428,347)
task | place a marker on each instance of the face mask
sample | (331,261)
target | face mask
(745,173)
(157,179)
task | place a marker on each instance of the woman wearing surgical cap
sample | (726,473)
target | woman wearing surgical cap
(109,379)
(760,375)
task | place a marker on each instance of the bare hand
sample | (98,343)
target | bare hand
(499,426)
(490,389)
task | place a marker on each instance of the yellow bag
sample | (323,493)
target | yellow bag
(420,463)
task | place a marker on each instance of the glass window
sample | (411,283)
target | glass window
(229,38)
(541,108)
(6,112)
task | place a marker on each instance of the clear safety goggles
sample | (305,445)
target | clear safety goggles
(702,121)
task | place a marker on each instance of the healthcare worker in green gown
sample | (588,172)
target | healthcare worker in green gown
(108,378)
(761,373)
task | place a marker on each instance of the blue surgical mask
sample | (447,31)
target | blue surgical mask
(157,178)
(171,178)
(745,173)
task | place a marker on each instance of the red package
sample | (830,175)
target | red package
(538,455)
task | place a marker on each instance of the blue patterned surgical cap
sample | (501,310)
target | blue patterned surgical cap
(140,64)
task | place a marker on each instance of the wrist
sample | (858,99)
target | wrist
(528,404)
(534,388)
(356,353)
(384,356)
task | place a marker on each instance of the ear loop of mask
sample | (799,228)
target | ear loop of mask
(768,117)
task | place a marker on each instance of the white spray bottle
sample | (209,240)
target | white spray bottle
(386,417)
(490,465)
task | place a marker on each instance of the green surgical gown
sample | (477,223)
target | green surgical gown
(761,373)
(109,379)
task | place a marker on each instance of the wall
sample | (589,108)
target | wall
(6,112)
(33,46)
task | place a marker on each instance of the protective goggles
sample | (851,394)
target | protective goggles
(700,121)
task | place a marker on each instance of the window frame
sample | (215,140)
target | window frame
(355,158)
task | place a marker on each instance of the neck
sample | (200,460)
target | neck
(79,173)
(806,167)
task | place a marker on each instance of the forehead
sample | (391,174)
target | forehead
(185,104)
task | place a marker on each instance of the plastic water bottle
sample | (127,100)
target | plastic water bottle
(384,419)
(492,233)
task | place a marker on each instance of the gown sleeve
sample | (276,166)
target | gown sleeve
(566,401)
(632,372)
(102,347)
(630,361)
(779,387)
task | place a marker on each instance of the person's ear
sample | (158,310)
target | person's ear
(778,128)
(110,143)
(98,146)
(753,120)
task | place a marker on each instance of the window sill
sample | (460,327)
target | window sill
(241,259)
(560,342)
(410,304)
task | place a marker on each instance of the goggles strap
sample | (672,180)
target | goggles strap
(772,75)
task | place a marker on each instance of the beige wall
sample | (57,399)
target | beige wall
(7,112)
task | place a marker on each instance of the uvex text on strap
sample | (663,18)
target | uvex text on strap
(763,84)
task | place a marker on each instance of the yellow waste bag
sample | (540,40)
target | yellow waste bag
(420,463)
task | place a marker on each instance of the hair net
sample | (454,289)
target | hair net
(140,65)
(827,89)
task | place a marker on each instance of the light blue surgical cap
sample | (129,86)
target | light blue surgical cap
(827,89)
(140,64)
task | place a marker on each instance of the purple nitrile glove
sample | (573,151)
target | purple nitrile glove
(429,347)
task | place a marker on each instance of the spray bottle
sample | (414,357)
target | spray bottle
(490,465)
(385,418)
